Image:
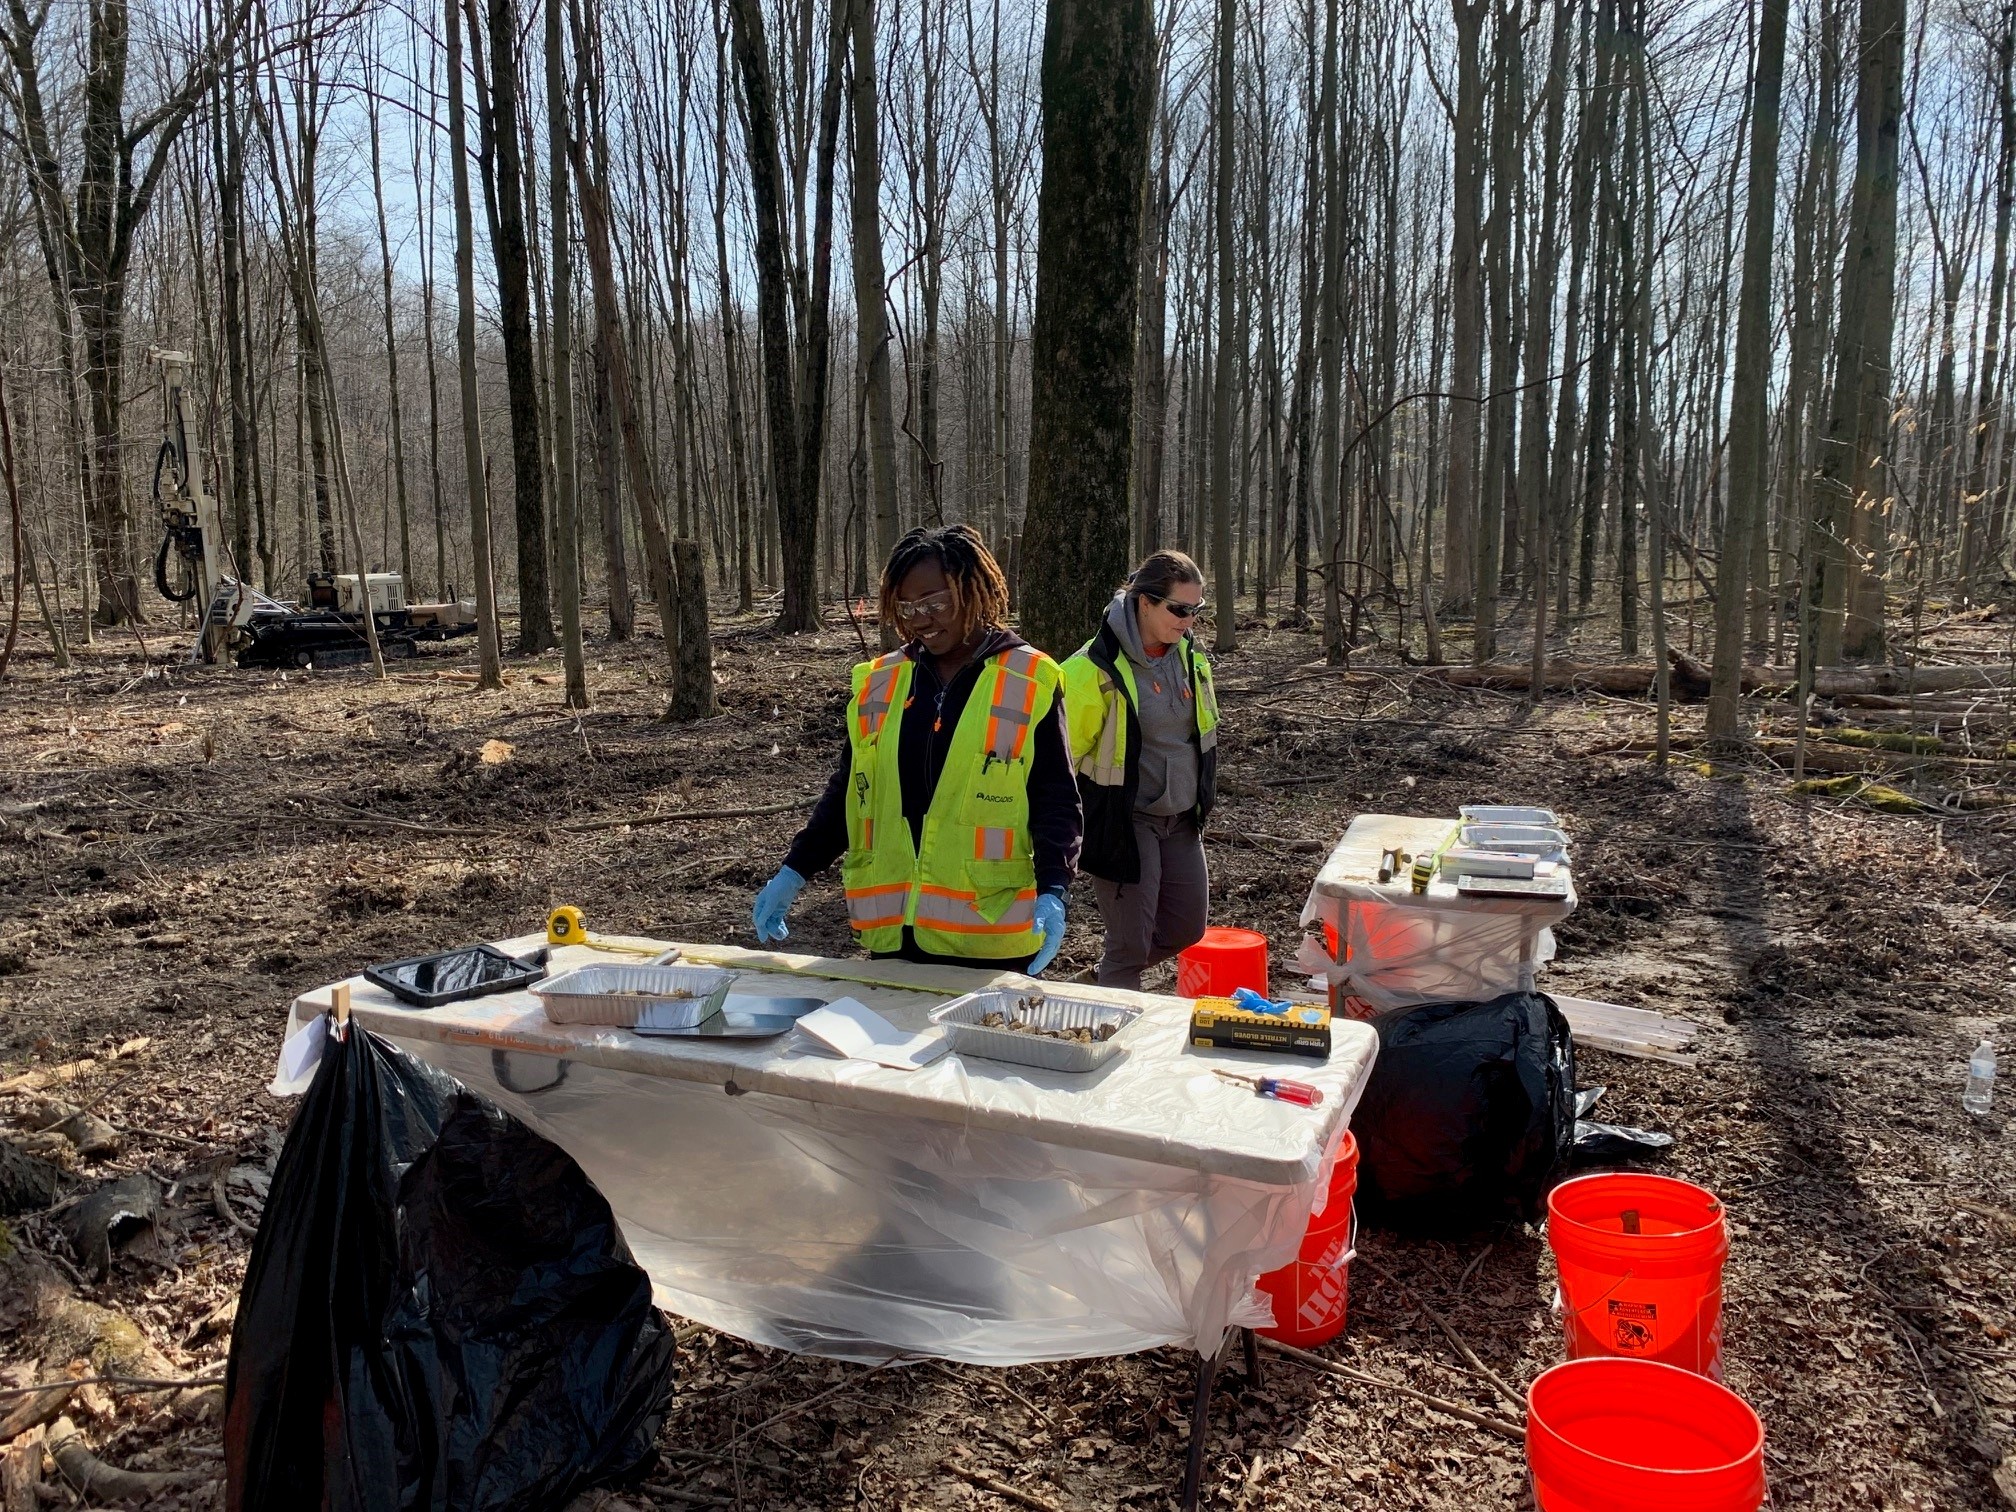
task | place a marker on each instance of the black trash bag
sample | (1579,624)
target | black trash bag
(1607,1143)
(439,1314)
(1469,1115)
(1612,1144)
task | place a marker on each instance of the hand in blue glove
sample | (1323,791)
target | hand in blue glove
(774,902)
(1050,925)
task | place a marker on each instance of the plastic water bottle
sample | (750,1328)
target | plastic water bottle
(1980,1080)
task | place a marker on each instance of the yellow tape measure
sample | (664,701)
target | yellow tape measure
(567,925)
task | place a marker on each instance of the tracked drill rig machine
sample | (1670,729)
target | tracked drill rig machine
(239,622)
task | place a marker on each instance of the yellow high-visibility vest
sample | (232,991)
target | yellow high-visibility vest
(969,889)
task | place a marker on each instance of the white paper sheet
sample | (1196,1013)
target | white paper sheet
(854,1030)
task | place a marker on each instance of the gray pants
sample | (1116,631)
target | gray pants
(1150,921)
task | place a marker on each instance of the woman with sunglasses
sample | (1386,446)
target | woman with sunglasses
(1144,732)
(954,806)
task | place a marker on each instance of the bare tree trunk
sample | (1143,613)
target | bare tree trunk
(1854,480)
(1749,418)
(643,482)
(731,329)
(1098,102)
(1533,488)
(871,325)
(491,672)
(1975,528)
(566,504)
(1466,375)
(423,190)
(1330,339)
(693,678)
(295,247)
(930,215)
(395,411)
(1230,340)
(503,183)
(1507,121)
(794,384)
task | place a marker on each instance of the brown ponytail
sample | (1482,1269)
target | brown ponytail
(1160,572)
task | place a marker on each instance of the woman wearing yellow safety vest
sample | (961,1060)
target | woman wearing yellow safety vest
(954,807)
(1143,719)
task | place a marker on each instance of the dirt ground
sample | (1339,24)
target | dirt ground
(182,850)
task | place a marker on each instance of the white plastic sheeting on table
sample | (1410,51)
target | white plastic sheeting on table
(1401,947)
(973,1210)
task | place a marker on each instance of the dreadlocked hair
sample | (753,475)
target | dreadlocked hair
(979,589)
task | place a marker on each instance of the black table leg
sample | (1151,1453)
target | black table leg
(1252,1343)
(1200,1427)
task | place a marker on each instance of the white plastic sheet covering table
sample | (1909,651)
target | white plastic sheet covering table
(973,1210)
(1402,947)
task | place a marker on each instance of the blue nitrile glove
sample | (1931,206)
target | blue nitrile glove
(774,902)
(1253,1002)
(1049,924)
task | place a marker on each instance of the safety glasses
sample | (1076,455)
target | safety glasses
(933,607)
(1180,610)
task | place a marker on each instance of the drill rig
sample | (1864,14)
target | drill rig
(239,621)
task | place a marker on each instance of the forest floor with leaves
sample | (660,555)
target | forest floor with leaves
(182,850)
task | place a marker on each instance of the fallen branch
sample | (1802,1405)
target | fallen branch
(52,1076)
(1448,1332)
(814,1400)
(130,1383)
(1453,1409)
(999,1487)
(1265,842)
(92,1476)
(41,1407)
(222,1202)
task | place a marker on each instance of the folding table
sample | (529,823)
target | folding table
(973,1210)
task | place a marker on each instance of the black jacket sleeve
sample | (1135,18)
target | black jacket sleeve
(1056,816)
(823,840)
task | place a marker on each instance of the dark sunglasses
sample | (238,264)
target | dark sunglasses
(1181,611)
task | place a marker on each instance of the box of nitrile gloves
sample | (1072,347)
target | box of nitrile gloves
(1222,1024)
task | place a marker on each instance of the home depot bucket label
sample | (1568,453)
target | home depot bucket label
(1634,1326)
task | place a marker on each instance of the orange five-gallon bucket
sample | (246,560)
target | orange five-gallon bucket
(1223,961)
(1640,1259)
(1631,1436)
(1312,1292)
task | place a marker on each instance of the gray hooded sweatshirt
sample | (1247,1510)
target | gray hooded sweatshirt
(1168,718)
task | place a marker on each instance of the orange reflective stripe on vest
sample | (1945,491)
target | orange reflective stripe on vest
(877,907)
(879,694)
(1014,705)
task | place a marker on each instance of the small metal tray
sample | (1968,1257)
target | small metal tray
(1508,813)
(614,993)
(961,1020)
(1521,839)
(744,1018)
